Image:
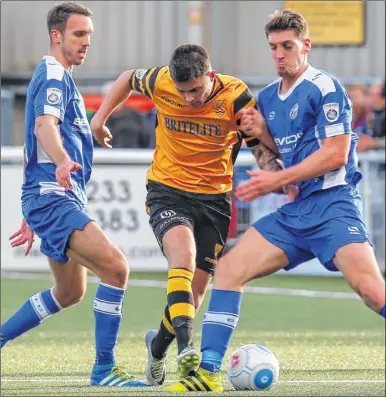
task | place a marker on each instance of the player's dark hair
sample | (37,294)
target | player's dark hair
(287,20)
(188,62)
(383,89)
(57,17)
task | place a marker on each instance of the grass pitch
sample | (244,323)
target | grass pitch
(326,346)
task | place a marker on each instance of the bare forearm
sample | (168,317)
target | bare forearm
(268,161)
(318,163)
(118,93)
(266,139)
(49,138)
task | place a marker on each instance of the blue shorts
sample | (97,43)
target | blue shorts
(53,218)
(316,226)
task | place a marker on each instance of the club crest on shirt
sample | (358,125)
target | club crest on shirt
(54,96)
(140,73)
(294,112)
(218,248)
(331,111)
(219,107)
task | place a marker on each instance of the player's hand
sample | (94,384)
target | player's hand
(24,235)
(366,143)
(101,133)
(252,122)
(260,184)
(63,173)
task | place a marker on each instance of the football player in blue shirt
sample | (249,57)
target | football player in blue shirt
(58,163)
(308,115)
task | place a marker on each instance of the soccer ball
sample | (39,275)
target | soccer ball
(253,367)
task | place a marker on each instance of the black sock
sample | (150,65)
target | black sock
(165,336)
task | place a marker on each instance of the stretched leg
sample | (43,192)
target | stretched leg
(209,239)
(94,250)
(180,250)
(69,289)
(252,257)
(66,233)
(360,269)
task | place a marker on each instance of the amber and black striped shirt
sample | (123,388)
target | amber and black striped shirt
(195,147)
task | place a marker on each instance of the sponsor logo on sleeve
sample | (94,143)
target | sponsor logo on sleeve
(140,73)
(54,96)
(331,111)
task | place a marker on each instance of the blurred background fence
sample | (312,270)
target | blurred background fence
(123,216)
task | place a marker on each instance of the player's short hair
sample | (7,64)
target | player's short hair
(287,20)
(57,17)
(383,89)
(188,62)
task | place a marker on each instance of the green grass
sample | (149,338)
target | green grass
(315,339)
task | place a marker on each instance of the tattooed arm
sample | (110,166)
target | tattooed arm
(268,161)
(260,141)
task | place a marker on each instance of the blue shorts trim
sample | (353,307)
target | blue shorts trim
(316,226)
(54,218)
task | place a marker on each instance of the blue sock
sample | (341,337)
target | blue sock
(219,323)
(30,315)
(108,316)
(383,312)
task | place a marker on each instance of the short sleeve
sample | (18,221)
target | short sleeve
(145,80)
(333,115)
(52,97)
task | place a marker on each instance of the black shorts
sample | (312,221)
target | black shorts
(208,215)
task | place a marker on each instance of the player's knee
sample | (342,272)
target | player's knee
(372,291)
(116,270)
(70,296)
(227,276)
(182,259)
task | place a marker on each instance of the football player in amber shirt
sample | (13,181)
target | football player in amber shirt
(189,182)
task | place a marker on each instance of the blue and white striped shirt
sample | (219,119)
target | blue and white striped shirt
(52,91)
(316,107)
